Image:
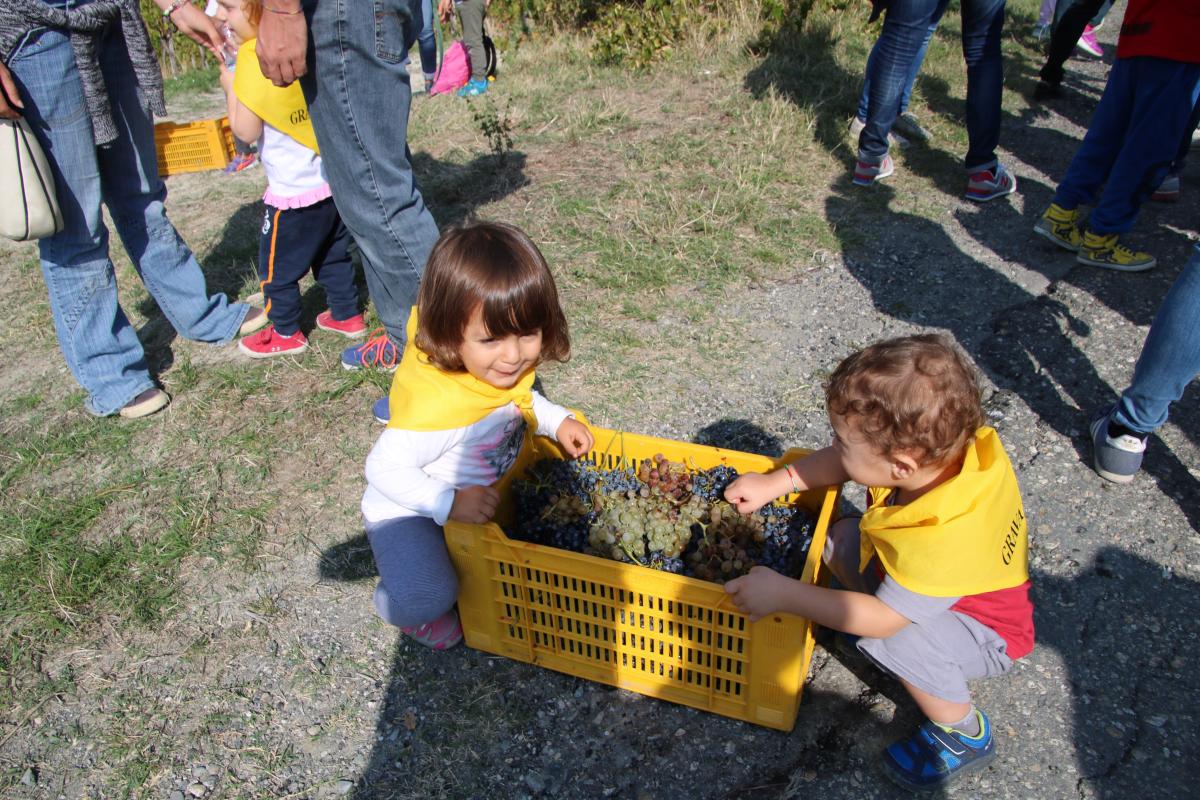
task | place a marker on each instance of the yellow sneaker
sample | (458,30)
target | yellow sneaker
(1061,227)
(1106,250)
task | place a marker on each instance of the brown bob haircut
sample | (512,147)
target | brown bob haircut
(915,394)
(496,268)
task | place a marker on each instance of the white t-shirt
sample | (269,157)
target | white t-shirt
(415,473)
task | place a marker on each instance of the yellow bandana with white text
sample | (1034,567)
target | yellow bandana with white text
(964,537)
(425,398)
(281,107)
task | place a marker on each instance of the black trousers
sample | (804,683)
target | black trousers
(292,241)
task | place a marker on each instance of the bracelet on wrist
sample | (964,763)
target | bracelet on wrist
(175,6)
(793,477)
(281,12)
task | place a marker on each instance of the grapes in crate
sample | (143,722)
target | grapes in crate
(660,514)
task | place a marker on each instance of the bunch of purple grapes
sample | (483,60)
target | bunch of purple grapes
(560,503)
(553,505)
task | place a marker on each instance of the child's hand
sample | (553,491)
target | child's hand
(444,9)
(474,504)
(574,437)
(226,75)
(752,491)
(759,592)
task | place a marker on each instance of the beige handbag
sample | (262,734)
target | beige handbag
(28,209)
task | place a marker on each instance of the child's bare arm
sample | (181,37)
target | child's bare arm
(244,123)
(753,491)
(764,591)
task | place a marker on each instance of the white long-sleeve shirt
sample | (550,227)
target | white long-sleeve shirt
(415,473)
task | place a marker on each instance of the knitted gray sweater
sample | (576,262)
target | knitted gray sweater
(84,25)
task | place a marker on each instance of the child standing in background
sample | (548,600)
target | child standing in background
(936,584)
(461,402)
(471,13)
(301,225)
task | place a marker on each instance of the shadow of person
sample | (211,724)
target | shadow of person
(742,435)
(1125,629)
(455,192)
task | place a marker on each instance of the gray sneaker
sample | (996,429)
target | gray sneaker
(910,127)
(1117,459)
(894,139)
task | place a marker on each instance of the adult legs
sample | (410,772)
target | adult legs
(427,41)
(135,194)
(982,26)
(1068,27)
(359,96)
(1170,358)
(914,70)
(100,346)
(906,25)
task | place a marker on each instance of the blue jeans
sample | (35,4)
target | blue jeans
(906,27)
(1132,140)
(427,41)
(906,93)
(1170,357)
(97,340)
(359,97)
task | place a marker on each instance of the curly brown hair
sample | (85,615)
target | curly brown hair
(496,268)
(915,394)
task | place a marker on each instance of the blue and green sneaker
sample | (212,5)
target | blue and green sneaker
(473,88)
(934,756)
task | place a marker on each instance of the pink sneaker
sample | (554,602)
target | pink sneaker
(268,343)
(866,173)
(351,328)
(1088,44)
(441,634)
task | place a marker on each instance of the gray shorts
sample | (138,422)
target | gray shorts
(941,650)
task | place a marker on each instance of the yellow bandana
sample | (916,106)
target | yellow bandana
(425,398)
(964,537)
(283,108)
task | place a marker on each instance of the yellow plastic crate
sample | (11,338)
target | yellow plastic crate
(193,146)
(663,635)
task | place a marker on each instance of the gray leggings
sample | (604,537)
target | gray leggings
(472,12)
(417,582)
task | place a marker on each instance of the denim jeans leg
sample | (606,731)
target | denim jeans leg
(905,26)
(1170,358)
(135,195)
(1091,163)
(426,40)
(359,96)
(982,28)
(1163,96)
(914,70)
(98,343)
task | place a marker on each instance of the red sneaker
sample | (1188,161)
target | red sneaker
(350,328)
(268,343)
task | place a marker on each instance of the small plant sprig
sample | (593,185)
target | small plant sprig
(496,127)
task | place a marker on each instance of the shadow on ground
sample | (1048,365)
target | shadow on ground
(917,272)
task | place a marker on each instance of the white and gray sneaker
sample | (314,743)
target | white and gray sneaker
(1117,458)
(894,138)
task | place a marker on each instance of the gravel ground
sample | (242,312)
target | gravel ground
(293,689)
